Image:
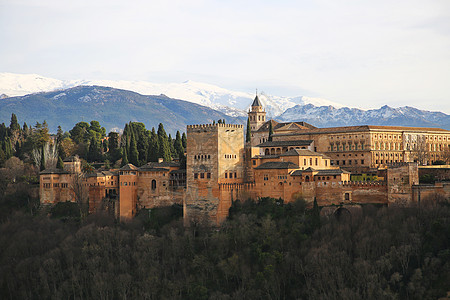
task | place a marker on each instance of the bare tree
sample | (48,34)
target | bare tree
(80,192)
(419,150)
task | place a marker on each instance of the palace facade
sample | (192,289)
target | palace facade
(296,161)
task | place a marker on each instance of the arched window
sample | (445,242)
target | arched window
(153,184)
(307,178)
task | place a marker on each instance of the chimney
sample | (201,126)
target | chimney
(160,160)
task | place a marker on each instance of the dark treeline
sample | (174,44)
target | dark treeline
(89,141)
(265,250)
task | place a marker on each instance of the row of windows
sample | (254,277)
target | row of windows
(230,175)
(346,147)
(202,156)
(202,175)
(349,162)
(128,183)
(388,154)
(55,185)
(253,118)
(230,156)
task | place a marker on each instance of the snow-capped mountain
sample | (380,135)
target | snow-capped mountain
(232,103)
(328,116)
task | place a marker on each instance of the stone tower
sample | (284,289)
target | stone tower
(257,115)
(214,157)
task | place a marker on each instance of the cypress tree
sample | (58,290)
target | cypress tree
(178,144)
(270,131)
(134,154)
(124,157)
(42,168)
(164,148)
(184,140)
(172,146)
(248,136)
(153,147)
(60,163)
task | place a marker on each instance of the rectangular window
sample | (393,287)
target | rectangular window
(202,175)
(231,175)
(235,175)
(362,161)
(326,163)
(195,175)
(208,175)
(226,175)
(317,161)
(254,162)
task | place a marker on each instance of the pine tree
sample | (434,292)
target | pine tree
(94,152)
(134,154)
(270,131)
(14,124)
(248,136)
(60,163)
(171,146)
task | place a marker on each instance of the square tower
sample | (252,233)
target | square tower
(214,156)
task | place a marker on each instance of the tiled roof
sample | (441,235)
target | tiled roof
(321,172)
(286,143)
(277,165)
(256,102)
(153,169)
(276,126)
(301,152)
(363,128)
(164,164)
(54,171)
(129,167)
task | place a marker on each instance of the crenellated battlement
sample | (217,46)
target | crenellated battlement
(200,126)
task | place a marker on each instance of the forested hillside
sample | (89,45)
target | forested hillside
(266,250)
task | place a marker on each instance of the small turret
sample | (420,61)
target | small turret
(257,115)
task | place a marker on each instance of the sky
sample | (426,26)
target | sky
(358,53)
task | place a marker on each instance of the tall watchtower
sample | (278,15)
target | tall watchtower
(257,114)
(214,156)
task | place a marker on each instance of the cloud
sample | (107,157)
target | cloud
(358,53)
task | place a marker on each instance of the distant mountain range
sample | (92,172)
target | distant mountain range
(329,116)
(111,107)
(113,103)
(232,103)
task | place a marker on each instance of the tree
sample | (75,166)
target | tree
(14,125)
(134,154)
(164,148)
(184,140)
(124,157)
(248,136)
(42,166)
(419,150)
(94,152)
(270,130)
(153,147)
(60,164)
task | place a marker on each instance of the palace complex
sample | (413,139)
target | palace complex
(336,166)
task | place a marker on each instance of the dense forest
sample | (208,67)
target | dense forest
(135,144)
(265,250)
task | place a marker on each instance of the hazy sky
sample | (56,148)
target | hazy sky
(358,53)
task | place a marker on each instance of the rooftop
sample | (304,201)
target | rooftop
(277,165)
(286,143)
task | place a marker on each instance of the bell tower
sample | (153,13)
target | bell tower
(257,115)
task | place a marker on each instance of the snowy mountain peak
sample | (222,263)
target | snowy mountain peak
(232,103)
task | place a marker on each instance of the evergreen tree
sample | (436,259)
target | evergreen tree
(42,167)
(219,121)
(59,134)
(248,136)
(60,163)
(184,140)
(178,144)
(171,146)
(153,147)
(14,124)
(315,214)
(164,148)
(124,157)
(134,154)
(270,131)
(2,157)
(94,152)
